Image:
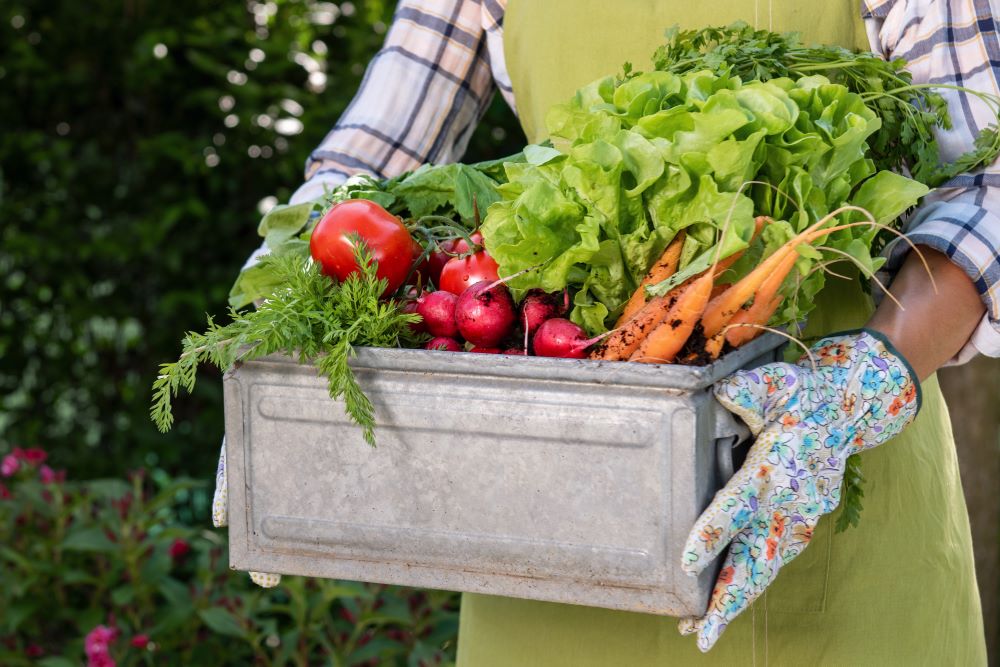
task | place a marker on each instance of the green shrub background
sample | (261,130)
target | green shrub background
(130,195)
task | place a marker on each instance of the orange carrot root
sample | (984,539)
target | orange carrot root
(713,346)
(667,339)
(739,333)
(773,269)
(662,269)
(624,340)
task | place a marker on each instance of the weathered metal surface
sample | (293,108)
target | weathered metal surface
(551,479)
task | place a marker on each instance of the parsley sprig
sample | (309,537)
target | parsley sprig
(909,112)
(311,317)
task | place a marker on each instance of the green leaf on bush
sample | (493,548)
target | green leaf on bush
(223,622)
(56,661)
(422,654)
(16,558)
(123,595)
(108,488)
(77,577)
(17,612)
(380,647)
(89,539)
(174,592)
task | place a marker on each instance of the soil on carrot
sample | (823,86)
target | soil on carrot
(694,353)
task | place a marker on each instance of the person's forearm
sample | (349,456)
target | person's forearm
(932,327)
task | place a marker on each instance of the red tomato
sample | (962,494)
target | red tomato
(388,240)
(447,250)
(461,246)
(462,272)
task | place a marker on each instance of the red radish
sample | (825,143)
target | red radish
(485,313)
(539,306)
(444,344)
(485,350)
(559,337)
(438,311)
(408,304)
(412,307)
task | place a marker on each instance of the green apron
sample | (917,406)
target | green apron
(898,590)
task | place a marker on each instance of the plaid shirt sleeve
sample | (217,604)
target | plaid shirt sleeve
(421,97)
(953,42)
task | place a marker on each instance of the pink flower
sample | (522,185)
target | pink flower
(96,646)
(140,641)
(34,651)
(33,456)
(9,465)
(179,549)
(4,492)
(50,476)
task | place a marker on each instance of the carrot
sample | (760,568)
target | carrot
(713,345)
(623,341)
(667,265)
(662,269)
(666,340)
(774,269)
(765,302)
(759,313)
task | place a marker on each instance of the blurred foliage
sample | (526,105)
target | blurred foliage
(119,556)
(140,142)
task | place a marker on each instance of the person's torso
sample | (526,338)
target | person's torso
(552,48)
(900,588)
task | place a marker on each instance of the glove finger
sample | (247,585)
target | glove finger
(711,628)
(689,625)
(735,590)
(220,499)
(265,580)
(734,507)
(729,512)
(726,602)
(744,393)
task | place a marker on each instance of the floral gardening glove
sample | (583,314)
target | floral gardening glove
(220,516)
(807,420)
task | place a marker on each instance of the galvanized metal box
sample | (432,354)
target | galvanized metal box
(566,480)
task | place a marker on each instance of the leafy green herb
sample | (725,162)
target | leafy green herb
(909,112)
(309,316)
(851,494)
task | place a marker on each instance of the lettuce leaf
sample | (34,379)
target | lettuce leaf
(633,162)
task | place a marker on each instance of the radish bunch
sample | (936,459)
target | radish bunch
(484,315)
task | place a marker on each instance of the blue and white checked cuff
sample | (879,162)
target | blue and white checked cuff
(961,223)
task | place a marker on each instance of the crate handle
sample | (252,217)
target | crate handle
(730,434)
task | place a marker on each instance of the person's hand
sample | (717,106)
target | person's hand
(807,420)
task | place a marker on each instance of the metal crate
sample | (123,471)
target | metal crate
(572,481)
